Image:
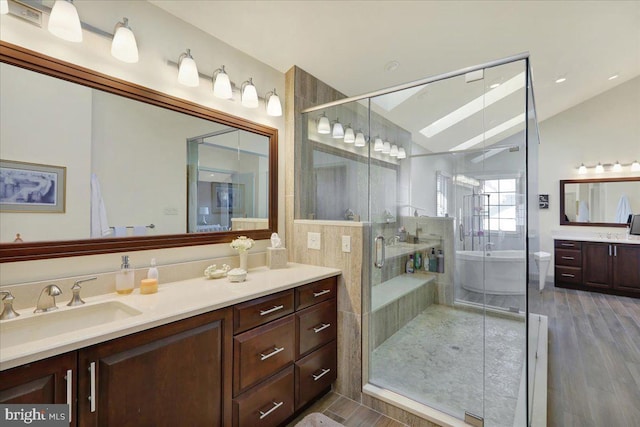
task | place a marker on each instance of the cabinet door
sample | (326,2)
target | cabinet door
(626,268)
(46,381)
(596,264)
(176,374)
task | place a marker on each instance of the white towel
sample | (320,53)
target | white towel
(623,211)
(99,223)
(139,230)
(120,231)
(583,212)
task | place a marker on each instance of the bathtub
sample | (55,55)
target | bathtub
(492,272)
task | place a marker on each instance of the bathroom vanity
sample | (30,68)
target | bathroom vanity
(200,352)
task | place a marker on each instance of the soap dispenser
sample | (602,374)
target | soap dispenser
(125,277)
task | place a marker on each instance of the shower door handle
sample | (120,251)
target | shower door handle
(379,262)
(461,233)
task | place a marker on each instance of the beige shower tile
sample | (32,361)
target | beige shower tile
(349,382)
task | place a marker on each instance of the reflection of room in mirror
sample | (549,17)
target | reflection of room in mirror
(602,201)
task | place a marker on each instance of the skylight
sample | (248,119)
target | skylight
(490,133)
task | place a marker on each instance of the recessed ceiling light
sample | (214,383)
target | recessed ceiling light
(495,85)
(561,79)
(613,77)
(391,66)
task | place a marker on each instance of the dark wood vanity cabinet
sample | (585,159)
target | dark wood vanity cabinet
(598,266)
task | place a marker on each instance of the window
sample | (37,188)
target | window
(502,204)
(443,193)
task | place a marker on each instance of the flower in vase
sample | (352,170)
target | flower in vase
(242,244)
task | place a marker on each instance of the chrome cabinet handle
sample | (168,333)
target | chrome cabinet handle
(320,375)
(568,275)
(275,351)
(570,245)
(568,257)
(609,250)
(322,292)
(271,310)
(321,327)
(69,380)
(379,242)
(615,250)
(92,387)
(275,406)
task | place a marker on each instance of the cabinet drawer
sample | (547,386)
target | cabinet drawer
(316,326)
(262,351)
(315,292)
(568,244)
(568,274)
(568,257)
(315,373)
(268,404)
(262,310)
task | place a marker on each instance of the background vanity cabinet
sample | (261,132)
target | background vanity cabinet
(599,266)
(50,380)
(176,374)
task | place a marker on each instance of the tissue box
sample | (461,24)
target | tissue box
(276,258)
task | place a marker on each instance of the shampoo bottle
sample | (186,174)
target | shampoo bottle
(440,261)
(433,266)
(124,278)
(418,261)
(410,263)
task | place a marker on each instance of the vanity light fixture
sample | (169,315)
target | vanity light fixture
(386,148)
(274,108)
(124,46)
(635,166)
(64,21)
(349,135)
(221,84)
(338,130)
(4,7)
(617,167)
(378,145)
(360,140)
(582,169)
(188,70)
(394,151)
(402,154)
(599,168)
(249,94)
(324,127)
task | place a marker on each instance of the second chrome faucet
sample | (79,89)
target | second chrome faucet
(47,299)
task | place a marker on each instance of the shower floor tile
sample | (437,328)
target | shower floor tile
(437,359)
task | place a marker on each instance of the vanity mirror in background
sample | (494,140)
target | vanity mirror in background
(131,180)
(602,202)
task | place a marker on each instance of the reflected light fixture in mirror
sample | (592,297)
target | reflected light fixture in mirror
(188,70)
(249,94)
(394,151)
(378,145)
(4,7)
(124,46)
(338,130)
(360,140)
(222,84)
(64,21)
(274,107)
(349,135)
(402,154)
(386,148)
(324,127)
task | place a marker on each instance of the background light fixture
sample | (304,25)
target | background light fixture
(360,140)
(274,107)
(221,84)
(635,166)
(124,46)
(617,167)
(64,21)
(249,94)
(324,127)
(394,151)
(386,148)
(599,168)
(188,70)
(402,154)
(204,211)
(4,7)
(349,135)
(582,169)
(338,130)
(378,145)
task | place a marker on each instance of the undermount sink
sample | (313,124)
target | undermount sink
(38,326)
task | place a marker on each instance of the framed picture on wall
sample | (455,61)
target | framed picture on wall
(228,197)
(32,187)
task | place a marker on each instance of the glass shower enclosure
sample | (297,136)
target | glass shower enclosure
(443,174)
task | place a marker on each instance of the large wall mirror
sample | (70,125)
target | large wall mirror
(605,202)
(93,164)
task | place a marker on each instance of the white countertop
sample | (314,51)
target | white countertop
(621,237)
(173,301)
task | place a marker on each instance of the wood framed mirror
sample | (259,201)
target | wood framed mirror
(599,202)
(193,208)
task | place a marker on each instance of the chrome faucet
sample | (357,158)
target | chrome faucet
(8,312)
(75,289)
(47,304)
(488,246)
(394,240)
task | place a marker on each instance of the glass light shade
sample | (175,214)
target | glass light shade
(324,127)
(124,46)
(635,166)
(338,130)
(249,95)
(582,169)
(617,167)
(394,151)
(386,148)
(402,154)
(64,21)
(203,210)
(360,141)
(4,7)
(222,85)
(599,168)
(349,135)
(274,108)
(378,145)
(188,70)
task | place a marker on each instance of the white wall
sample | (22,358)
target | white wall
(161,38)
(603,129)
